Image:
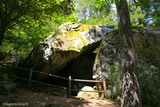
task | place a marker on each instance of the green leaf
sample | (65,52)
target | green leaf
(98,3)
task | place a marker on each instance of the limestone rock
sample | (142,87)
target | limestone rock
(108,60)
(73,40)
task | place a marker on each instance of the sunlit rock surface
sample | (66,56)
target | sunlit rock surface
(72,40)
(75,36)
(88,94)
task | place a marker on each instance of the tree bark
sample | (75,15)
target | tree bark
(130,86)
(2,33)
(3,26)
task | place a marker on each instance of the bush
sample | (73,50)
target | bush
(149,79)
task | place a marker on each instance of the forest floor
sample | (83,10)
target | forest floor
(42,95)
(27,97)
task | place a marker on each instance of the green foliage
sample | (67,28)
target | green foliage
(29,21)
(25,35)
(94,12)
(136,15)
(106,20)
(116,69)
(151,9)
(62,19)
(149,78)
(14,11)
(98,3)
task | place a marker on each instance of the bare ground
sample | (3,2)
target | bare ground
(26,97)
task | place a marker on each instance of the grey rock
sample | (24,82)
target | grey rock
(72,41)
(109,55)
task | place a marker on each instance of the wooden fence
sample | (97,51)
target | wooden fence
(69,79)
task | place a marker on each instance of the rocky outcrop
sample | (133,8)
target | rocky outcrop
(75,40)
(147,44)
(108,60)
(72,41)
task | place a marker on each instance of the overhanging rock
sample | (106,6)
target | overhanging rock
(73,40)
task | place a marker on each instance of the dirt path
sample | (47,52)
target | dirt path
(29,98)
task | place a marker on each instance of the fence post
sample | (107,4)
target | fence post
(105,89)
(69,86)
(30,77)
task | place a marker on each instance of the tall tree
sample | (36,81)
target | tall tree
(130,85)
(12,11)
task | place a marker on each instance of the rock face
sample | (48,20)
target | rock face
(108,60)
(73,40)
(65,53)
(147,44)
(107,63)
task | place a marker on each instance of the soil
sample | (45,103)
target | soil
(44,95)
(28,97)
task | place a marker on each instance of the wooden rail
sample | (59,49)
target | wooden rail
(69,79)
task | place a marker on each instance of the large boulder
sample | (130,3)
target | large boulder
(58,50)
(108,60)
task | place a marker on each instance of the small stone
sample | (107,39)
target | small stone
(87,95)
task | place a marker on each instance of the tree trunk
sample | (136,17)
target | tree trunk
(130,85)
(2,32)
(3,27)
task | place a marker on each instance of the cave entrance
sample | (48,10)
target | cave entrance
(79,68)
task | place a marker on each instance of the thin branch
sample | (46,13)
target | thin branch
(24,11)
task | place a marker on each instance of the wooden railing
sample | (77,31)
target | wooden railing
(69,79)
